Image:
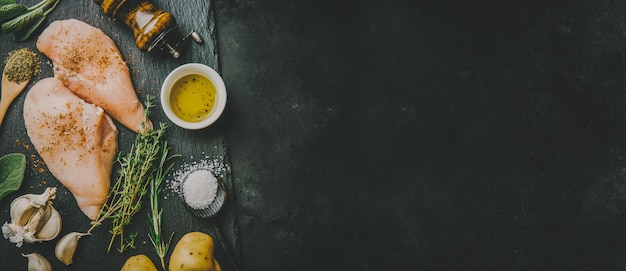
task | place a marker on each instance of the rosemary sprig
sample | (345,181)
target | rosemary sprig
(155,215)
(136,170)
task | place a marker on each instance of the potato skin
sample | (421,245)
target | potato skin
(139,262)
(194,252)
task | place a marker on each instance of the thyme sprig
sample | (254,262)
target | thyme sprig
(156,214)
(137,168)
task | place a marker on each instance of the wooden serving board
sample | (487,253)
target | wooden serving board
(148,73)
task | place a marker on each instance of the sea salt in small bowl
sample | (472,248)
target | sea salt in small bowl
(202,192)
(193,96)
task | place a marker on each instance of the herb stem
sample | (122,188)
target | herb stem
(52,8)
(156,214)
(42,3)
(137,169)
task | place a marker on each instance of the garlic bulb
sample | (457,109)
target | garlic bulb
(33,219)
(66,247)
(37,262)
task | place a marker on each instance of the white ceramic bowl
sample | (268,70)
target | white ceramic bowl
(187,69)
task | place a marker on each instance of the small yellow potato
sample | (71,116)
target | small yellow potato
(139,262)
(194,252)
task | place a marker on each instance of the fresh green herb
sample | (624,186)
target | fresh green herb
(156,213)
(25,23)
(28,31)
(130,242)
(23,20)
(7,2)
(10,11)
(136,170)
(12,167)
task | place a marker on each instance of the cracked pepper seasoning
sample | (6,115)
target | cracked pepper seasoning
(21,65)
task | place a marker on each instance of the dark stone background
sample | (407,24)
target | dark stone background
(427,135)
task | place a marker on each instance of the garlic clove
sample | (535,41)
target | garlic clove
(38,219)
(23,207)
(22,210)
(66,247)
(51,228)
(37,262)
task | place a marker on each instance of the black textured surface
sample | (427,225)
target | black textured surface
(424,135)
(427,135)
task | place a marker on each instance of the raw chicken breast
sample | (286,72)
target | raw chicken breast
(76,139)
(90,65)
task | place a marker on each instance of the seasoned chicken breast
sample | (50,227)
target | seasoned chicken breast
(76,139)
(90,65)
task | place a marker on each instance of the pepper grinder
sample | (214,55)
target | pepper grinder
(155,30)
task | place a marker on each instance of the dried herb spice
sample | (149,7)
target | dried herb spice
(21,65)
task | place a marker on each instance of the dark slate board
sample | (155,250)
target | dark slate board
(148,72)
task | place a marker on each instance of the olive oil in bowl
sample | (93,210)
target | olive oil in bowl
(193,97)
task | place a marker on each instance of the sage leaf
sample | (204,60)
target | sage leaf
(7,2)
(10,11)
(21,22)
(12,168)
(24,35)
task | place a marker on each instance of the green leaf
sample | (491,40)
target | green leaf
(12,168)
(24,35)
(7,2)
(10,11)
(22,22)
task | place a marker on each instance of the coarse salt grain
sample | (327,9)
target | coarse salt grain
(199,189)
(215,165)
